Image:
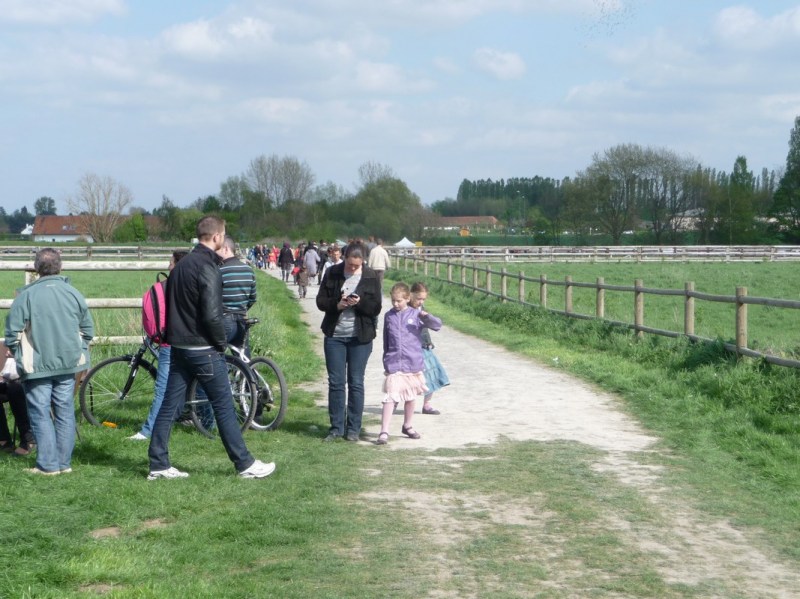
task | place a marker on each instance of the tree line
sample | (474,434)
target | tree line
(665,196)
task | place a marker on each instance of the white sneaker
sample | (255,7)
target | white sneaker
(258,469)
(138,437)
(168,473)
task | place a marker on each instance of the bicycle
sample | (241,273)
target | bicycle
(115,393)
(266,381)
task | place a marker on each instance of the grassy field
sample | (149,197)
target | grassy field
(771,330)
(343,520)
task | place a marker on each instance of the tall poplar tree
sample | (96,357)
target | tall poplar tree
(786,204)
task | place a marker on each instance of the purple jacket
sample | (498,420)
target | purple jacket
(402,346)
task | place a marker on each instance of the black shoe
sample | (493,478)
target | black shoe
(332,436)
(354,437)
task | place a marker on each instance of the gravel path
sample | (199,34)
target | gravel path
(495,393)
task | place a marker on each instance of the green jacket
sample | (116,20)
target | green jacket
(49,328)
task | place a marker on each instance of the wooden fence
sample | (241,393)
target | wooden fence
(621,253)
(95,303)
(509,253)
(468,278)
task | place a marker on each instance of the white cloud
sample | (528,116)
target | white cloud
(212,40)
(446,65)
(502,65)
(741,26)
(49,12)
(387,78)
(282,111)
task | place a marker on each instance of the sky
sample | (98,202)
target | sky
(171,98)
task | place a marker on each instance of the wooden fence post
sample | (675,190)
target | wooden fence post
(436,268)
(474,279)
(543,291)
(741,319)
(425,267)
(488,280)
(521,295)
(449,271)
(600,302)
(503,284)
(568,294)
(638,308)
(688,309)
(463,272)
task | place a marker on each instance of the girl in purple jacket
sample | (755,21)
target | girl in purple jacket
(402,359)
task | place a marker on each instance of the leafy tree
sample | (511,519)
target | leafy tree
(740,217)
(663,193)
(578,208)
(232,192)
(132,229)
(786,204)
(171,218)
(44,206)
(19,219)
(100,204)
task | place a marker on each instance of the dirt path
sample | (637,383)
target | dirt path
(496,393)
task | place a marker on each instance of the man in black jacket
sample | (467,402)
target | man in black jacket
(196,332)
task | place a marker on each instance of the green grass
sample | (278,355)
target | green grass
(734,423)
(770,330)
(516,519)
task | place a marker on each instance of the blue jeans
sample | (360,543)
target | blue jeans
(346,361)
(161,388)
(55,436)
(209,368)
(235,330)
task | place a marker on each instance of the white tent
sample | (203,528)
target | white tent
(405,243)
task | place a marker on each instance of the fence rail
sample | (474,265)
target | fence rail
(469,279)
(95,303)
(639,253)
(92,252)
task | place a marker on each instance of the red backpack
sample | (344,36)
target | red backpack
(154,310)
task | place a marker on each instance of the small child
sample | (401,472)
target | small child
(402,359)
(302,282)
(435,375)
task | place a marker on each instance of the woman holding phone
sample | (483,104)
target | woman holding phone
(350,296)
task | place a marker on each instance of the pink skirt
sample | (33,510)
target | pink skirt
(403,386)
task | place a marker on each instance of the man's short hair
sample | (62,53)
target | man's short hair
(208,226)
(230,244)
(47,262)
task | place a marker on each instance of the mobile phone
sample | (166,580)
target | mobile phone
(352,296)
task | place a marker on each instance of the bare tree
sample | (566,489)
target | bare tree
(372,172)
(100,205)
(279,180)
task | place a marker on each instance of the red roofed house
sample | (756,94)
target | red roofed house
(52,228)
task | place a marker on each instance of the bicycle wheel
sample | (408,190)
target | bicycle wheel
(272,394)
(116,395)
(244,399)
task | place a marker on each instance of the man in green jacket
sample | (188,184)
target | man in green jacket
(48,329)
